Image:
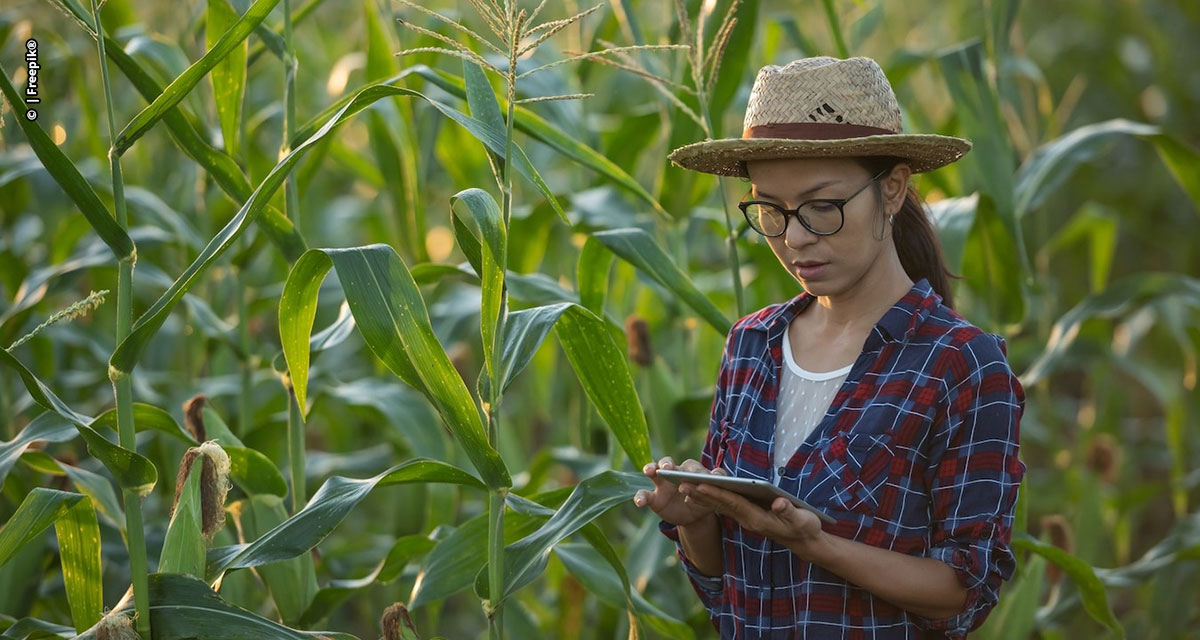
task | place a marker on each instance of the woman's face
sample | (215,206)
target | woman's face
(865,235)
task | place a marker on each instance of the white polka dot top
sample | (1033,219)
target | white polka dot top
(804,397)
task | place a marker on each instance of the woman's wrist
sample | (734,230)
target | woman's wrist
(820,548)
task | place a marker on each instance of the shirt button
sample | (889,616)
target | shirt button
(782,470)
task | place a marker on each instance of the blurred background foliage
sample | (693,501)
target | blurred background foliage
(1073,220)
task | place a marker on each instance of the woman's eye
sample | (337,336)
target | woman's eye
(822,207)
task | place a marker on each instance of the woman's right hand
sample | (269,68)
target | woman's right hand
(669,500)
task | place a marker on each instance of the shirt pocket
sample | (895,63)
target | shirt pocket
(860,463)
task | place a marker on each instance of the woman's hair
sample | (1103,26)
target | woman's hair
(916,241)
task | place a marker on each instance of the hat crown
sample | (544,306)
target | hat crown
(822,89)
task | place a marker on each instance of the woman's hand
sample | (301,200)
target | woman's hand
(668,500)
(784,522)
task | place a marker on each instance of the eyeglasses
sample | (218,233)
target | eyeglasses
(824,216)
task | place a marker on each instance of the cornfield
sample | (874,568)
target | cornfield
(530,302)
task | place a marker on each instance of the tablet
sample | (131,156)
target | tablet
(757,491)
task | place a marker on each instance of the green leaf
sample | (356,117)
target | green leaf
(1123,296)
(538,128)
(992,270)
(93,485)
(183,547)
(125,358)
(524,332)
(1053,162)
(388,569)
(291,583)
(60,167)
(1016,614)
(591,274)
(46,427)
(639,249)
(327,508)
(190,135)
(393,320)
(40,508)
(457,558)
(79,551)
(977,107)
(147,416)
(229,75)
(182,85)
(603,370)
(490,136)
(591,569)
(490,222)
(131,470)
(254,472)
(183,607)
(1091,590)
(954,218)
(526,559)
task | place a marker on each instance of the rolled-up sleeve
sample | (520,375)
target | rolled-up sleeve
(709,588)
(974,476)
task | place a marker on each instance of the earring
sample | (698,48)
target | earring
(892,219)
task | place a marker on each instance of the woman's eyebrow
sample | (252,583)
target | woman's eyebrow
(818,187)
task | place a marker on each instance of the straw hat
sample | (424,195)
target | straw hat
(821,106)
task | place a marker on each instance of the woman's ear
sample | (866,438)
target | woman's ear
(895,187)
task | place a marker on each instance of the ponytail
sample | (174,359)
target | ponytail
(916,240)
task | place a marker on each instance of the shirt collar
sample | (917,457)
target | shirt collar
(897,324)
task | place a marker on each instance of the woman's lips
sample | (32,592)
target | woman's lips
(812,271)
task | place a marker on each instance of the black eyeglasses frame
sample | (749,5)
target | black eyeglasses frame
(840,203)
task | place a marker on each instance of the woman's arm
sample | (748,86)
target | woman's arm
(702,545)
(924,586)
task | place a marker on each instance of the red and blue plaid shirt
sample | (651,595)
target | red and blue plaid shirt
(917,453)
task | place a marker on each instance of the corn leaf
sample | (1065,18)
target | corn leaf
(79,548)
(60,167)
(639,249)
(1052,163)
(182,85)
(591,569)
(229,75)
(1091,590)
(46,427)
(131,470)
(388,569)
(391,315)
(327,508)
(491,136)
(1123,296)
(490,223)
(183,547)
(40,508)
(127,354)
(525,560)
(538,128)
(183,607)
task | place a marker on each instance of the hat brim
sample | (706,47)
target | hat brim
(727,157)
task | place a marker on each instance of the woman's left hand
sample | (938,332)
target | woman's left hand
(784,522)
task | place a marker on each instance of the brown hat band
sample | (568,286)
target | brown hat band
(813,130)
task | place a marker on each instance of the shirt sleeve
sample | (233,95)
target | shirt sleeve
(974,476)
(709,588)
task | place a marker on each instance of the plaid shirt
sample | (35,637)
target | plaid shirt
(917,453)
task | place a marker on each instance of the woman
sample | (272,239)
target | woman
(866,395)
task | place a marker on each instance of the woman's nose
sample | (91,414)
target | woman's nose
(797,234)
